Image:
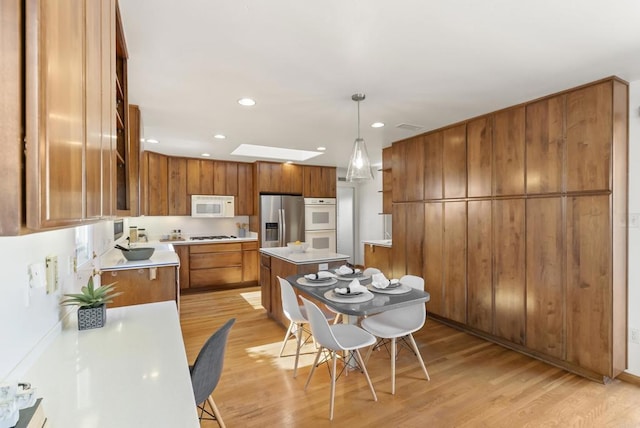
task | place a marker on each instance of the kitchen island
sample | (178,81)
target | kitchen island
(143,281)
(281,262)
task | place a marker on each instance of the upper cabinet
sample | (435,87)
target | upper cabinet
(508,151)
(272,177)
(319,182)
(479,156)
(408,167)
(69,111)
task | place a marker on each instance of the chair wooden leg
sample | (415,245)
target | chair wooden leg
(337,318)
(216,412)
(286,337)
(313,367)
(393,365)
(364,369)
(299,334)
(415,348)
(333,384)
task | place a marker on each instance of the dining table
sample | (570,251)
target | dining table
(374,300)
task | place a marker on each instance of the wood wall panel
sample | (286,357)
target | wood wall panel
(545,145)
(433,261)
(509,269)
(454,257)
(545,280)
(454,162)
(589,137)
(479,266)
(589,282)
(433,150)
(479,156)
(508,151)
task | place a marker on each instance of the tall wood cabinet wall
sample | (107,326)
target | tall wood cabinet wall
(522,214)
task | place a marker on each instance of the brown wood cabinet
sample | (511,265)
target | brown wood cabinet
(179,202)
(408,243)
(379,257)
(387,180)
(250,262)
(200,177)
(265,282)
(157,183)
(136,135)
(225,178)
(319,181)
(139,286)
(408,162)
(534,255)
(183,254)
(244,201)
(274,177)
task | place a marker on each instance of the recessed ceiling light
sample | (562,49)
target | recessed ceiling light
(220,136)
(152,141)
(254,151)
(206,155)
(246,102)
(377,125)
(321,149)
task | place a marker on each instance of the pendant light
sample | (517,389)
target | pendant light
(359,165)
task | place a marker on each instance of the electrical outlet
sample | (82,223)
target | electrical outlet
(635,336)
(634,220)
(52,274)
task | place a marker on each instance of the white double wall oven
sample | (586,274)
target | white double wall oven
(320,223)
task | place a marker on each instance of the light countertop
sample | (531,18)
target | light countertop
(309,256)
(164,255)
(379,242)
(133,372)
(188,241)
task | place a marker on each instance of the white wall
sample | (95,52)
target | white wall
(634,232)
(158,226)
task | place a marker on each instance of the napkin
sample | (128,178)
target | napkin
(323,274)
(353,288)
(378,280)
(346,270)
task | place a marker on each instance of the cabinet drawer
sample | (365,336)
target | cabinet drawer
(214,260)
(215,248)
(253,245)
(265,261)
(218,276)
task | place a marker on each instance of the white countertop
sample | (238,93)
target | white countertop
(133,372)
(188,241)
(379,242)
(164,255)
(309,256)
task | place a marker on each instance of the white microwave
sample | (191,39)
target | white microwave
(212,206)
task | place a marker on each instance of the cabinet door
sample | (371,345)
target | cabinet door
(138,288)
(414,238)
(545,145)
(265,282)
(387,179)
(55,113)
(183,254)
(479,266)
(200,177)
(319,182)
(250,265)
(509,269)
(157,184)
(378,257)
(454,162)
(589,131)
(135,135)
(545,283)
(589,315)
(479,156)
(244,201)
(454,256)
(399,253)
(433,148)
(177,186)
(433,262)
(225,178)
(408,160)
(108,49)
(508,151)
(291,179)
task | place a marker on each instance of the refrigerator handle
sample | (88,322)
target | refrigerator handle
(281,227)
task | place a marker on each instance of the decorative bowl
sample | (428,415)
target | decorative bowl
(142,253)
(298,247)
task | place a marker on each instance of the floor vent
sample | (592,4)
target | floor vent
(409,127)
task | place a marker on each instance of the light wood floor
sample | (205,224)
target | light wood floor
(473,383)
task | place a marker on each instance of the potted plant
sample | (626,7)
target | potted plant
(92,304)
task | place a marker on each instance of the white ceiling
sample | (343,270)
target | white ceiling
(421,62)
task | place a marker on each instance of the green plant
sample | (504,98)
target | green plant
(91,297)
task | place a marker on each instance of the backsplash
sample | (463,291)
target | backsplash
(156,227)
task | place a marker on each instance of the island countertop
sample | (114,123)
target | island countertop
(164,255)
(307,257)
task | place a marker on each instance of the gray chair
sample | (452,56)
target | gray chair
(206,371)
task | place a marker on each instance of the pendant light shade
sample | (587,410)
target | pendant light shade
(359,168)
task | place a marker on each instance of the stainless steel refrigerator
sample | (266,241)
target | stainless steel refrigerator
(281,219)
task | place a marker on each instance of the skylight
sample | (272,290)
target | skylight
(274,152)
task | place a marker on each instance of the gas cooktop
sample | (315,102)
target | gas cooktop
(210,237)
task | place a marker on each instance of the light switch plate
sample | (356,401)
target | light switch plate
(52,274)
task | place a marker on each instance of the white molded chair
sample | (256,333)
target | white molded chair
(340,337)
(296,314)
(367,272)
(398,323)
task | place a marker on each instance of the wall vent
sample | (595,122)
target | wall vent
(409,127)
(342,178)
